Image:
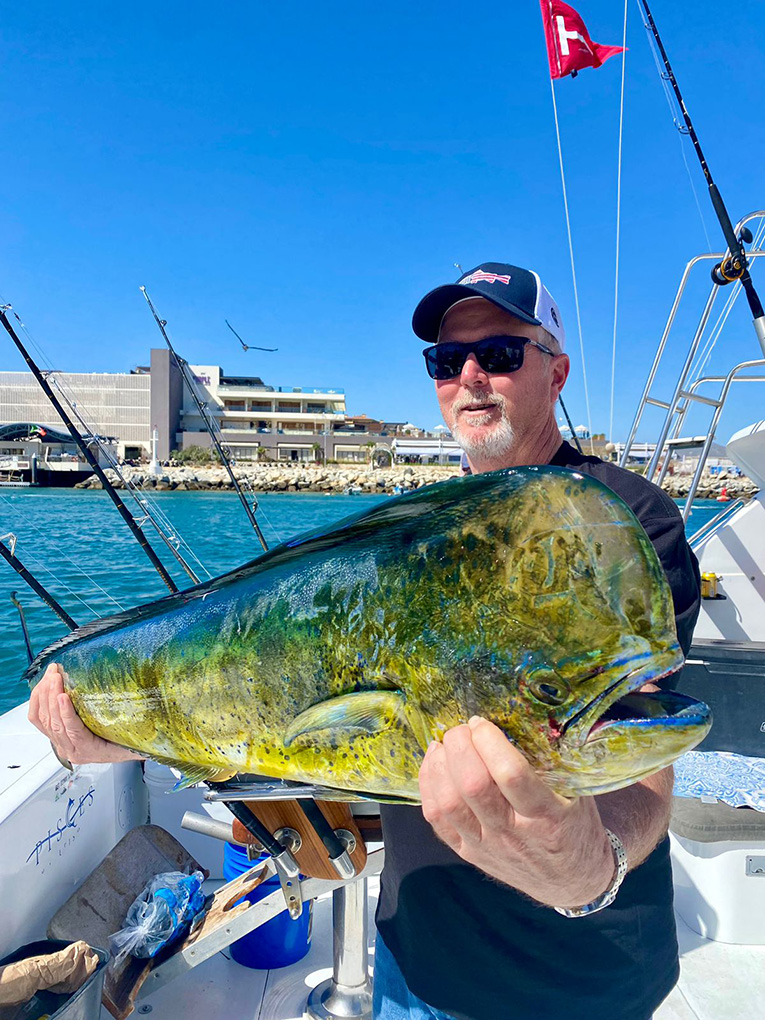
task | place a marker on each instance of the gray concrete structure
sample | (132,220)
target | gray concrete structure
(166,401)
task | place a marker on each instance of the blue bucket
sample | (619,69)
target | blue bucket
(280,941)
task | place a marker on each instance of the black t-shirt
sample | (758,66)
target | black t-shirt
(479,950)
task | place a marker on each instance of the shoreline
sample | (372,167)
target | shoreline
(340,479)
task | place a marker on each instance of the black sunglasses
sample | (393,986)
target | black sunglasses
(493,354)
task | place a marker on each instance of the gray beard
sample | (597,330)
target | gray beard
(488,445)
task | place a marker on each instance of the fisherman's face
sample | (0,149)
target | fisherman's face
(494,416)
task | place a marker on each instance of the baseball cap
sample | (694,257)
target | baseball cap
(518,291)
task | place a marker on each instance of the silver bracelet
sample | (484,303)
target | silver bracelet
(607,898)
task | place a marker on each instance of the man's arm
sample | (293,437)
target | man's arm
(485,801)
(639,814)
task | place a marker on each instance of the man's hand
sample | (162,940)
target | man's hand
(52,712)
(485,801)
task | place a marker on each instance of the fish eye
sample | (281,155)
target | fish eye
(550,690)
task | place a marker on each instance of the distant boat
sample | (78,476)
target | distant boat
(724,497)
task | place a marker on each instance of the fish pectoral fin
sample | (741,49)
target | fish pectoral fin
(364,712)
(192,774)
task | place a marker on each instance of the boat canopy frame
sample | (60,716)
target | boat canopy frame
(684,395)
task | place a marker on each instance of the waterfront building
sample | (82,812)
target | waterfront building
(427,450)
(112,404)
(258,421)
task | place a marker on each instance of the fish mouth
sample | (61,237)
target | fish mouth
(622,704)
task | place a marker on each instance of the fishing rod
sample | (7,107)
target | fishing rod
(570,426)
(9,555)
(145,508)
(183,368)
(735,265)
(87,452)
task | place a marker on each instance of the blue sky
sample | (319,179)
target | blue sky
(309,171)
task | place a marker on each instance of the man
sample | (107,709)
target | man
(466,920)
(469,915)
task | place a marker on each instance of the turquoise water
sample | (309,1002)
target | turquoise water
(75,543)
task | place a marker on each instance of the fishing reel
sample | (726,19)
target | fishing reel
(734,267)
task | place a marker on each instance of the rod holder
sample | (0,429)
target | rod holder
(347,995)
(207,826)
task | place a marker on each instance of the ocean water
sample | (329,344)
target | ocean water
(77,546)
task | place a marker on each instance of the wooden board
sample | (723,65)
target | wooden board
(312,857)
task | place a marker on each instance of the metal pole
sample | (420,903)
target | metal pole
(646,398)
(730,378)
(680,384)
(347,995)
(88,455)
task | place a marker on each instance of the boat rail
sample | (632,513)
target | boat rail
(684,395)
(708,529)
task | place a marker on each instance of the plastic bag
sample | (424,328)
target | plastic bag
(165,910)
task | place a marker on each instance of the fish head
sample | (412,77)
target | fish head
(569,614)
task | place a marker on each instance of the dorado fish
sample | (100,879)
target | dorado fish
(529,596)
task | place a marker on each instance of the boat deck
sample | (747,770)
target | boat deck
(717,982)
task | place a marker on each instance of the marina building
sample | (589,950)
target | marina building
(111,404)
(256,420)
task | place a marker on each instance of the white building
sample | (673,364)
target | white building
(285,420)
(427,450)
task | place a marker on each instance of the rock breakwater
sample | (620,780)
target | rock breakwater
(339,479)
(331,479)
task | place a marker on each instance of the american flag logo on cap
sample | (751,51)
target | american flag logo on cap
(479,276)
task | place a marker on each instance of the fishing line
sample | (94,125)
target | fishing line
(173,539)
(214,429)
(148,507)
(170,535)
(695,193)
(573,267)
(618,224)
(34,527)
(39,565)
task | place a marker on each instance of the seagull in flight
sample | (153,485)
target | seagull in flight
(248,347)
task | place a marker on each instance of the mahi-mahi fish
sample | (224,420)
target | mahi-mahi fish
(530,596)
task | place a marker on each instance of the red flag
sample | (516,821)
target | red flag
(569,47)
